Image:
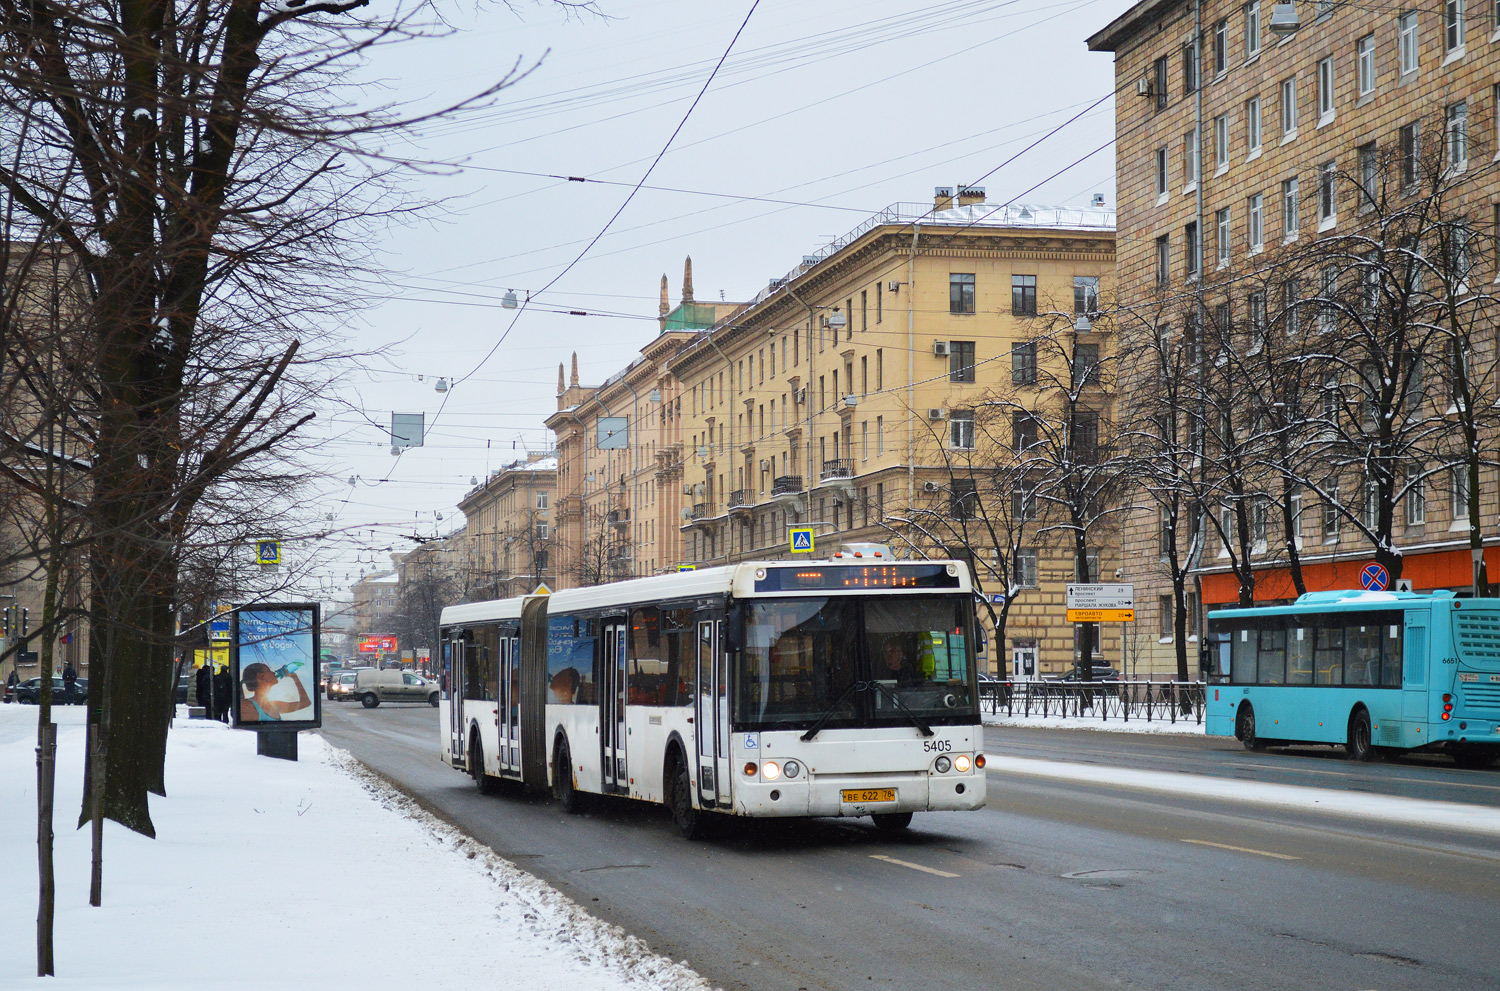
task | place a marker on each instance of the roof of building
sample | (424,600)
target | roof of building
(1116,32)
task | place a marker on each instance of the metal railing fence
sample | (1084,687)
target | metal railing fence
(1148,701)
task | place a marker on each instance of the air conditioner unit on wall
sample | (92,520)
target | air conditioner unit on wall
(1143,86)
(940,348)
(765,464)
(935,414)
(801,395)
(929,486)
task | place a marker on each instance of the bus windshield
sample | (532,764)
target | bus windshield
(810,657)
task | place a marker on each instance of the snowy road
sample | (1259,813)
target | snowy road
(1066,883)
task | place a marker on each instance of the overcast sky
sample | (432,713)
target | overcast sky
(838,107)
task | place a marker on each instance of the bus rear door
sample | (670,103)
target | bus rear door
(612,698)
(453,684)
(1414,676)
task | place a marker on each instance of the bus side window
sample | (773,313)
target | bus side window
(1299,656)
(1390,654)
(1415,656)
(1328,662)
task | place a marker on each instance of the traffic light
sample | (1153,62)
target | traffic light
(25,620)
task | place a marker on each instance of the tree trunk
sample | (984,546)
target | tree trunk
(1085,630)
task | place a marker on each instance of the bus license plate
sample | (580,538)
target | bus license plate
(862,795)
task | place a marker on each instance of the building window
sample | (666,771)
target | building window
(1221,142)
(1291,295)
(1252,125)
(1459,236)
(1086,294)
(879,301)
(1328,293)
(1023,501)
(1190,157)
(1221,224)
(1458,135)
(1411,153)
(1024,567)
(1325,90)
(1252,29)
(1327,203)
(1161,172)
(1364,51)
(960,361)
(879,369)
(539,561)
(1255,305)
(1257,232)
(1453,22)
(1459,486)
(1416,504)
(1260,513)
(1159,82)
(880,435)
(1165,628)
(1221,47)
(864,316)
(961,429)
(541,530)
(1368,174)
(962,499)
(1163,260)
(961,292)
(1190,248)
(1023,295)
(1086,362)
(1023,431)
(1189,67)
(1023,364)
(1406,29)
(1288,107)
(541,500)
(1290,217)
(1331,515)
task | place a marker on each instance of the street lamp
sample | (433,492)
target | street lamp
(1284,19)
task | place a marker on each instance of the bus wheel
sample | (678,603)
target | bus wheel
(482,781)
(680,799)
(567,796)
(892,822)
(1359,746)
(432,700)
(1244,729)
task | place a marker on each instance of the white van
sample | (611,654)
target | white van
(374,687)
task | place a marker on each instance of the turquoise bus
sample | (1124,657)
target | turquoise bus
(1378,672)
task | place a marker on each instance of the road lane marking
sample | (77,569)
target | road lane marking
(915,867)
(1244,849)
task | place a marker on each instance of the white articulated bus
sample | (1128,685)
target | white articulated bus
(824,688)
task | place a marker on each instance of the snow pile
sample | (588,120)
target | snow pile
(272,874)
(1114,724)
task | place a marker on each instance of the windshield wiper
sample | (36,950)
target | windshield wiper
(895,700)
(829,712)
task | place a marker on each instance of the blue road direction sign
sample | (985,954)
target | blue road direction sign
(802,539)
(268,552)
(1374,578)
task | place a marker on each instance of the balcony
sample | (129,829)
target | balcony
(619,517)
(741,499)
(837,468)
(785,485)
(699,511)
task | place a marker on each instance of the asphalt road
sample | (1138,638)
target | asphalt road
(1054,884)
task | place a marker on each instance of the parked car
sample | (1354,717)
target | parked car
(375,687)
(341,688)
(30,692)
(1101,672)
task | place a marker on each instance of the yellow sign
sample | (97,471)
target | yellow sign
(801,539)
(218,657)
(542,589)
(268,552)
(1101,615)
(687,567)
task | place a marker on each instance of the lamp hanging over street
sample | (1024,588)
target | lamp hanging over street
(1284,19)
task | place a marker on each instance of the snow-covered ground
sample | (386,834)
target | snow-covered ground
(273,874)
(1114,725)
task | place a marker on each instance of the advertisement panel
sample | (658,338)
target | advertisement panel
(376,645)
(274,666)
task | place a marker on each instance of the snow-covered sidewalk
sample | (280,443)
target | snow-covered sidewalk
(271,874)
(1111,725)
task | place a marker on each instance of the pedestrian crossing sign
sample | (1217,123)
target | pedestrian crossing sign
(802,539)
(267,552)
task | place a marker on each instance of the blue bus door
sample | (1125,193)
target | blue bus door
(1414,676)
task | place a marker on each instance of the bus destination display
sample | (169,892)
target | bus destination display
(849,577)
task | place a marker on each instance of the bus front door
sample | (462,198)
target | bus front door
(454,683)
(712,715)
(505,702)
(612,698)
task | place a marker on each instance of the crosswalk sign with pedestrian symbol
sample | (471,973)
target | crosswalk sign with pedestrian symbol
(802,539)
(267,552)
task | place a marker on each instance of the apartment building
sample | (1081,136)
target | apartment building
(509,529)
(869,393)
(1249,135)
(620,455)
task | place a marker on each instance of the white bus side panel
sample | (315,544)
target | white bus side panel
(580,724)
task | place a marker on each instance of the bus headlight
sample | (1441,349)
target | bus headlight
(770,770)
(791,769)
(962,763)
(942,764)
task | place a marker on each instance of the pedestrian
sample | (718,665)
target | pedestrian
(70,683)
(13,680)
(223,692)
(204,684)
